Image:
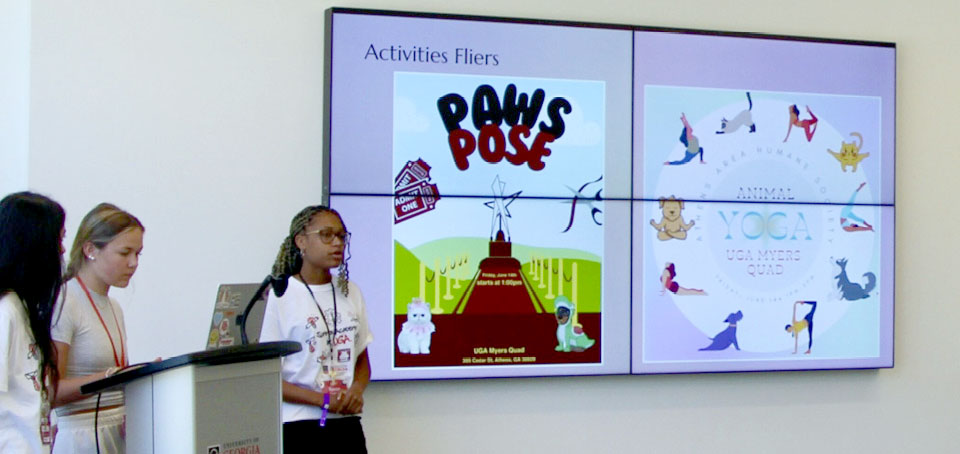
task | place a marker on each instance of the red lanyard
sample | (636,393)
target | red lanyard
(120,361)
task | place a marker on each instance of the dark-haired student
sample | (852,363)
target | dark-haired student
(31,235)
(323,384)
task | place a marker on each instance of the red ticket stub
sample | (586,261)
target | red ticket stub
(412,172)
(414,200)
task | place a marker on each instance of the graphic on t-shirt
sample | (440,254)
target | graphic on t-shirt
(33,354)
(312,344)
(32,376)
(330,337)
(479,277)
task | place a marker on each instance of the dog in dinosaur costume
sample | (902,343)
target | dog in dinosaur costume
(570,337)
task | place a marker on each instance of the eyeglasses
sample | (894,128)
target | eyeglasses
(326,236)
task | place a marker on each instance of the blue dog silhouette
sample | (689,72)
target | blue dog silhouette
(852,291)
(728,336)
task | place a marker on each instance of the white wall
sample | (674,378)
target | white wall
(203,118)
(14,94)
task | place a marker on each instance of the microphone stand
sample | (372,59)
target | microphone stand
(279,285)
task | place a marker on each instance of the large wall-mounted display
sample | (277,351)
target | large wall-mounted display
(525,204)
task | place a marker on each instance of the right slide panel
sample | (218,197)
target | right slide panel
(764,216)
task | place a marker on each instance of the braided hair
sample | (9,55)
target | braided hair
(289,259)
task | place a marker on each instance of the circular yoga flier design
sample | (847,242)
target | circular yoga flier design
(764,241)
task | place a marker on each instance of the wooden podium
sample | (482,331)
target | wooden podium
(210,402)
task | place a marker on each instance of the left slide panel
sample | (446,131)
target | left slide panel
(483,144)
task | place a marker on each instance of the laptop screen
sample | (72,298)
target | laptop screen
(231,301)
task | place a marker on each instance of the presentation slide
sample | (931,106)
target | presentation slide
(523,204)
(767,214)
(486,179)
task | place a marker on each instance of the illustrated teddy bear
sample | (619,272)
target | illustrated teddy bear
(671,225)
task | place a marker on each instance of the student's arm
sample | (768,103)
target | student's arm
(298,395)
(68,389)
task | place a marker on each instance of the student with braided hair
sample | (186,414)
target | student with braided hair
(323,384)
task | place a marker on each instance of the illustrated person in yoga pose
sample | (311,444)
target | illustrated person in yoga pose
(809,125)
(690,141)
(798,326)
(851,222)
(666,279)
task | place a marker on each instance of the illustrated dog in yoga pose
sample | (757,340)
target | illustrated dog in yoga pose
(724,339)
(851,291)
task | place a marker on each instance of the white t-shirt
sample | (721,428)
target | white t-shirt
(20,396)
(296,317)
(76,323)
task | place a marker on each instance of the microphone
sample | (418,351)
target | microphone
(279,286)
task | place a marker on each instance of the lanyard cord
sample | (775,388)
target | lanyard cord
(333,292)
(121,360)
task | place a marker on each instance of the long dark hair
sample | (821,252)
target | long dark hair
(30,262)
